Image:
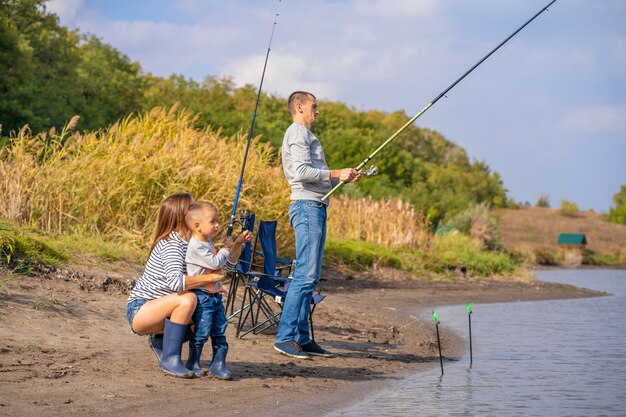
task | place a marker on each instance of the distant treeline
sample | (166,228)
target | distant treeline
(50,73)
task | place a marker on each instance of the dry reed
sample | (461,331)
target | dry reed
(111,182)
(391,222)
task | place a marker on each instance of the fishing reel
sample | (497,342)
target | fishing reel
(370,172)
(244,218)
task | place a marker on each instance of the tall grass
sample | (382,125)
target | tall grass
(111,182)
(392,222)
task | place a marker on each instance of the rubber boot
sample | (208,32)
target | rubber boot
(193,362)
(218,365)
(171,364)
(155,341)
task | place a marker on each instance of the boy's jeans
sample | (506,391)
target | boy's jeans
(308,218)
(209,319)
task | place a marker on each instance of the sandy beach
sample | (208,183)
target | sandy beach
(67,349)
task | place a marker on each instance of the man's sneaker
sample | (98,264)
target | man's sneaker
(314,349)
(291,348)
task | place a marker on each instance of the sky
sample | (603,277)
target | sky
(547,111)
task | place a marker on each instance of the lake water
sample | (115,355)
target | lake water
(540,358)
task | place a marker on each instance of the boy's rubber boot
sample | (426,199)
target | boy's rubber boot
(218,365)
(193,362)
(171,364)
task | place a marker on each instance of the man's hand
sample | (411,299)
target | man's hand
(346,175)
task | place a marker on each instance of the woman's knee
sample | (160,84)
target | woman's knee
(188,301)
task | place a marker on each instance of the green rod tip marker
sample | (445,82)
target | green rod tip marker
(469,308)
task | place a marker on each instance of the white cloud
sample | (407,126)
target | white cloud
(65,9)
(595,119)
(285,73)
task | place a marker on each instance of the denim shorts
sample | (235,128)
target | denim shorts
(132,308)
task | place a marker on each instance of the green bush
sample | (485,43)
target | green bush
(360,255)
(455,250)
(479,225)
(543,201)
(568,209)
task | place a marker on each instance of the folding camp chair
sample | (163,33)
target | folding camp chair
(270,282)
(238,277)
(315,300)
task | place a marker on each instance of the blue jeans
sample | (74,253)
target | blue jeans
(131,310)
(308,219)
(209,319)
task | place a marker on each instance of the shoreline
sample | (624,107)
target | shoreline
(69,351)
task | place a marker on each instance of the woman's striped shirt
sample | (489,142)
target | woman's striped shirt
(165,270)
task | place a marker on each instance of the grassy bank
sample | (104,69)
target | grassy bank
(532,232)
(453,254)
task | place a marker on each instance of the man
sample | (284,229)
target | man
(305,168)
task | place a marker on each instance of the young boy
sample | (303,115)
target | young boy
(209,317)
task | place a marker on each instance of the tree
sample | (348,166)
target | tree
(617,214)
(110,84)
(568,208)
(543,201)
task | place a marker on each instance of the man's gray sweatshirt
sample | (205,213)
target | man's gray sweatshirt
(304,164)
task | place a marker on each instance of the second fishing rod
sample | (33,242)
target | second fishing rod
(436,99)
(246,215)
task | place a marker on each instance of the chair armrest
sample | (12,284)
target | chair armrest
(284,261)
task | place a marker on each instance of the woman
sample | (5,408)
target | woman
(160,301)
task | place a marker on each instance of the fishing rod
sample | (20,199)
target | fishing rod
(232,221)
(429,105)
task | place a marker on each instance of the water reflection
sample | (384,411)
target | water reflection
(545,358)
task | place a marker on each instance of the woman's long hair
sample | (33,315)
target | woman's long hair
(172,216)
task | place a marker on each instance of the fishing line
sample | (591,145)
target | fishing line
(429,105)
(231,223)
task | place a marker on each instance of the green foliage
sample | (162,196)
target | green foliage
(448,253)
(21,251)
(360,255)
(455,250)
(477,223)
(49,73)
(543,201)
(617,214)
(603,259)
(512,204)
(568,208)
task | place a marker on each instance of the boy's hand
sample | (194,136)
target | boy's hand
(228,243)
(244,237)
